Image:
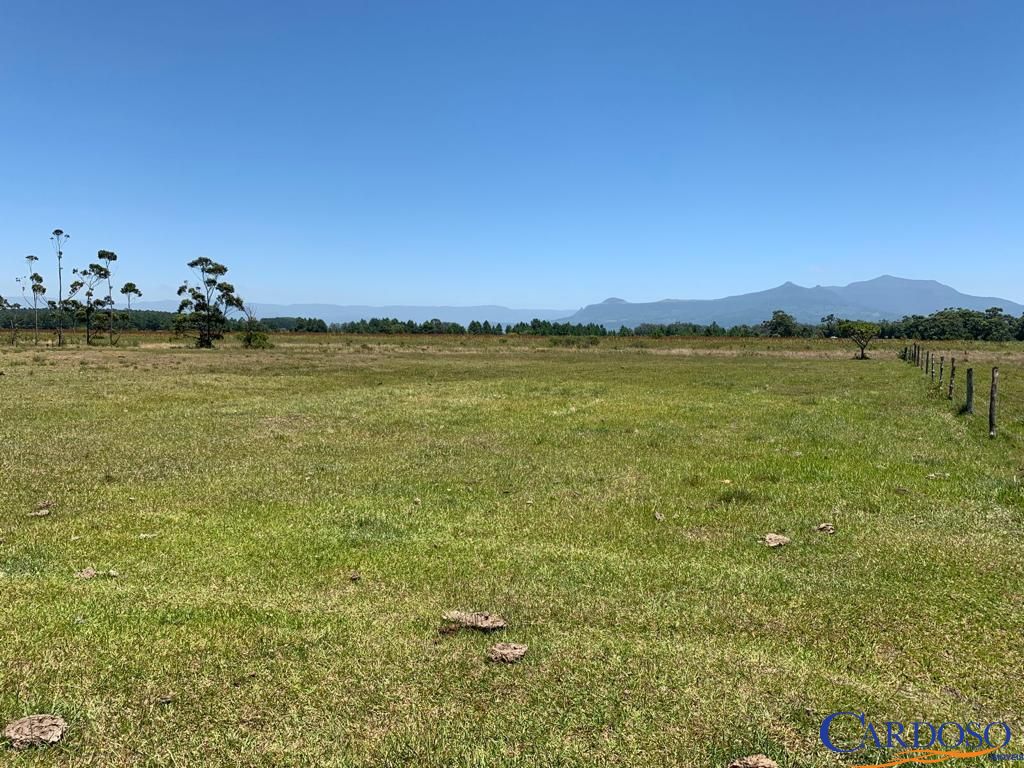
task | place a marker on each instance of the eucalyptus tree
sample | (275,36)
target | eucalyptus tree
(32,283)
(128,290)
(205,305)
(107,258)
(59,237)
(88,279)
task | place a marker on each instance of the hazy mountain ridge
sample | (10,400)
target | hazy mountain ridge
(883,298)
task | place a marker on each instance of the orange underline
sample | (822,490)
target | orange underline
(927,757)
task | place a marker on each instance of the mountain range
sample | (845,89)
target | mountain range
(883,298)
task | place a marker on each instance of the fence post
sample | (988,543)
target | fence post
(969,406)
(933,369)
(952,377)
(904,355)
(927,360)
(942,366)
(992,403)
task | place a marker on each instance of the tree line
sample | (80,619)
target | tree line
(210,307)
(87,301)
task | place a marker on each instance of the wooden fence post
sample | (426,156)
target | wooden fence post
(992,403)
(933,369)
(952,377)
(942,366)
(927,360)
(969,405)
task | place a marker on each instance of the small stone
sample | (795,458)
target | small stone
(35,731)
(826,528)
(506,653)
(659,517)
(754,761)
(774,540)
(86,573)
(485,622)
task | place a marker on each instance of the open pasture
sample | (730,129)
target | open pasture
(608,501)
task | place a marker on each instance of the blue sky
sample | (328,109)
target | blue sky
(532,154)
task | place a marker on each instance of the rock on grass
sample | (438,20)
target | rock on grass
(774,540)
(35,731)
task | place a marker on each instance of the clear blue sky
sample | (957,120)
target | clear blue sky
(533,154)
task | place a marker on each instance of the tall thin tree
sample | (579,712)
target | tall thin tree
(32,283)
(59,237)
(107,258)
(128,290)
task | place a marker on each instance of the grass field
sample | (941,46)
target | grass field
(607,501)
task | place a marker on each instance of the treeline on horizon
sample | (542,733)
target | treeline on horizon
(947,324)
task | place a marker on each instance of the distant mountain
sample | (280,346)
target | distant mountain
(334,313)
(884,298)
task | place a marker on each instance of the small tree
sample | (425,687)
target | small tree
(860,332)
(204,308)
(254,336)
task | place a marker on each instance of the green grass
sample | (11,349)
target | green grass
(269,476)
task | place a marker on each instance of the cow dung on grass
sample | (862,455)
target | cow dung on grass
(42,509)
(481,620)
(826,528)
(506,653)
(754,761)
(35,731)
